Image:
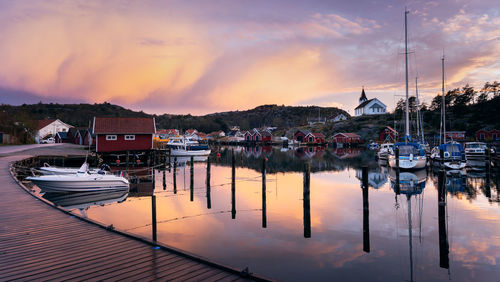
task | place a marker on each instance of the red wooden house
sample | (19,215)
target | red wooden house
(123,134)
(258,135)
(300,135)
(346,138)
(315,138)
(487,135)
(388,133)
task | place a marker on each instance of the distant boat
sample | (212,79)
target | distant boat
(82,181)
(476,151)
(385,150)
(184,146)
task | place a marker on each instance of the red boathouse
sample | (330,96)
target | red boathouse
(114,134)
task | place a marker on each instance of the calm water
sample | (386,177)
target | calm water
(278,231)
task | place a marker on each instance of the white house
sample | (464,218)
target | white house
(47,127)
(369,107)
(337,118)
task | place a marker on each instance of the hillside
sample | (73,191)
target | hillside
(81,115)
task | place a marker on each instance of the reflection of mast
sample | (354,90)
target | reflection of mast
(408,197)
(366,211)
(307,203)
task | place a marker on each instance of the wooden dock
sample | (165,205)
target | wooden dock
(41,242)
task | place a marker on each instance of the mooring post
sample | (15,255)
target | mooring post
(191,180)
(209,202)
(233,185)
(441,157)
(153,216)
(307,201)
(264,211)
(164,181)
(443,238)
(366,211)
(396,155)
(175,175)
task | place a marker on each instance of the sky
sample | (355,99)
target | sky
(202,57)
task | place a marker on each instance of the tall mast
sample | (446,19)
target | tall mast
(443,103)
(407,120)
(420,124)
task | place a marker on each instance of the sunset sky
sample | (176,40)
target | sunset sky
(202,57)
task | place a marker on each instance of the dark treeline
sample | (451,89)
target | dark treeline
(467,109)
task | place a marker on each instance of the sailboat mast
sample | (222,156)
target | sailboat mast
(443,104)
(407,120)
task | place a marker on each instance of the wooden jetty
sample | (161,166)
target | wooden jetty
(39,241)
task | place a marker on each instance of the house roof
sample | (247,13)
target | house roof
(305,132)
(44,122)
(191,131)
(318,135)
(362,105)
(347,134)
(391,129)
(124,125)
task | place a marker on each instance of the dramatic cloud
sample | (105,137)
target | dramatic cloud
(204,56)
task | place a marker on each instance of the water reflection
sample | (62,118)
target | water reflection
(303,218)
(83,200)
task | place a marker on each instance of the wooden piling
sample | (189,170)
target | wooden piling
(209,202)
(396,154)
(441,157)
(153,216)
(164,181)
(307,201)
(443,238)
(233,185)
(366,211)
(175,175)
(264,210)
(191,180)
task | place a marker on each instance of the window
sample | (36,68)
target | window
(111,137)
(481,136)
(494,136)
(129,137)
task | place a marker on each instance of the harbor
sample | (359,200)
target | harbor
(357,210)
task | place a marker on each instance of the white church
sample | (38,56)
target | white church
(369,107)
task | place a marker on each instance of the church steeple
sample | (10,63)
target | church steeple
(363,96)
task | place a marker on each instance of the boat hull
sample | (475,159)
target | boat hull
(62,183)
(188,153)
(417,162)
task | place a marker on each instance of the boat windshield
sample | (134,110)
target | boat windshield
(475,145)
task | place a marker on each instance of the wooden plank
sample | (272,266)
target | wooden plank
(201,276)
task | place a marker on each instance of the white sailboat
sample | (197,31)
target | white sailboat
(412,155)
(453,153)
(184,146)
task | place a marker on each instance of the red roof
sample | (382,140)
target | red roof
(44,122)
(124,125)
(319,135)
(351,135)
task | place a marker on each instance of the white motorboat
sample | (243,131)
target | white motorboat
(385,150)
(47,169)
(82,181)
(184,146)
(475,151)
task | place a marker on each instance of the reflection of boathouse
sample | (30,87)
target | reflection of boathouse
(346,153)
(257,151)
(309,152)
(376,179)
